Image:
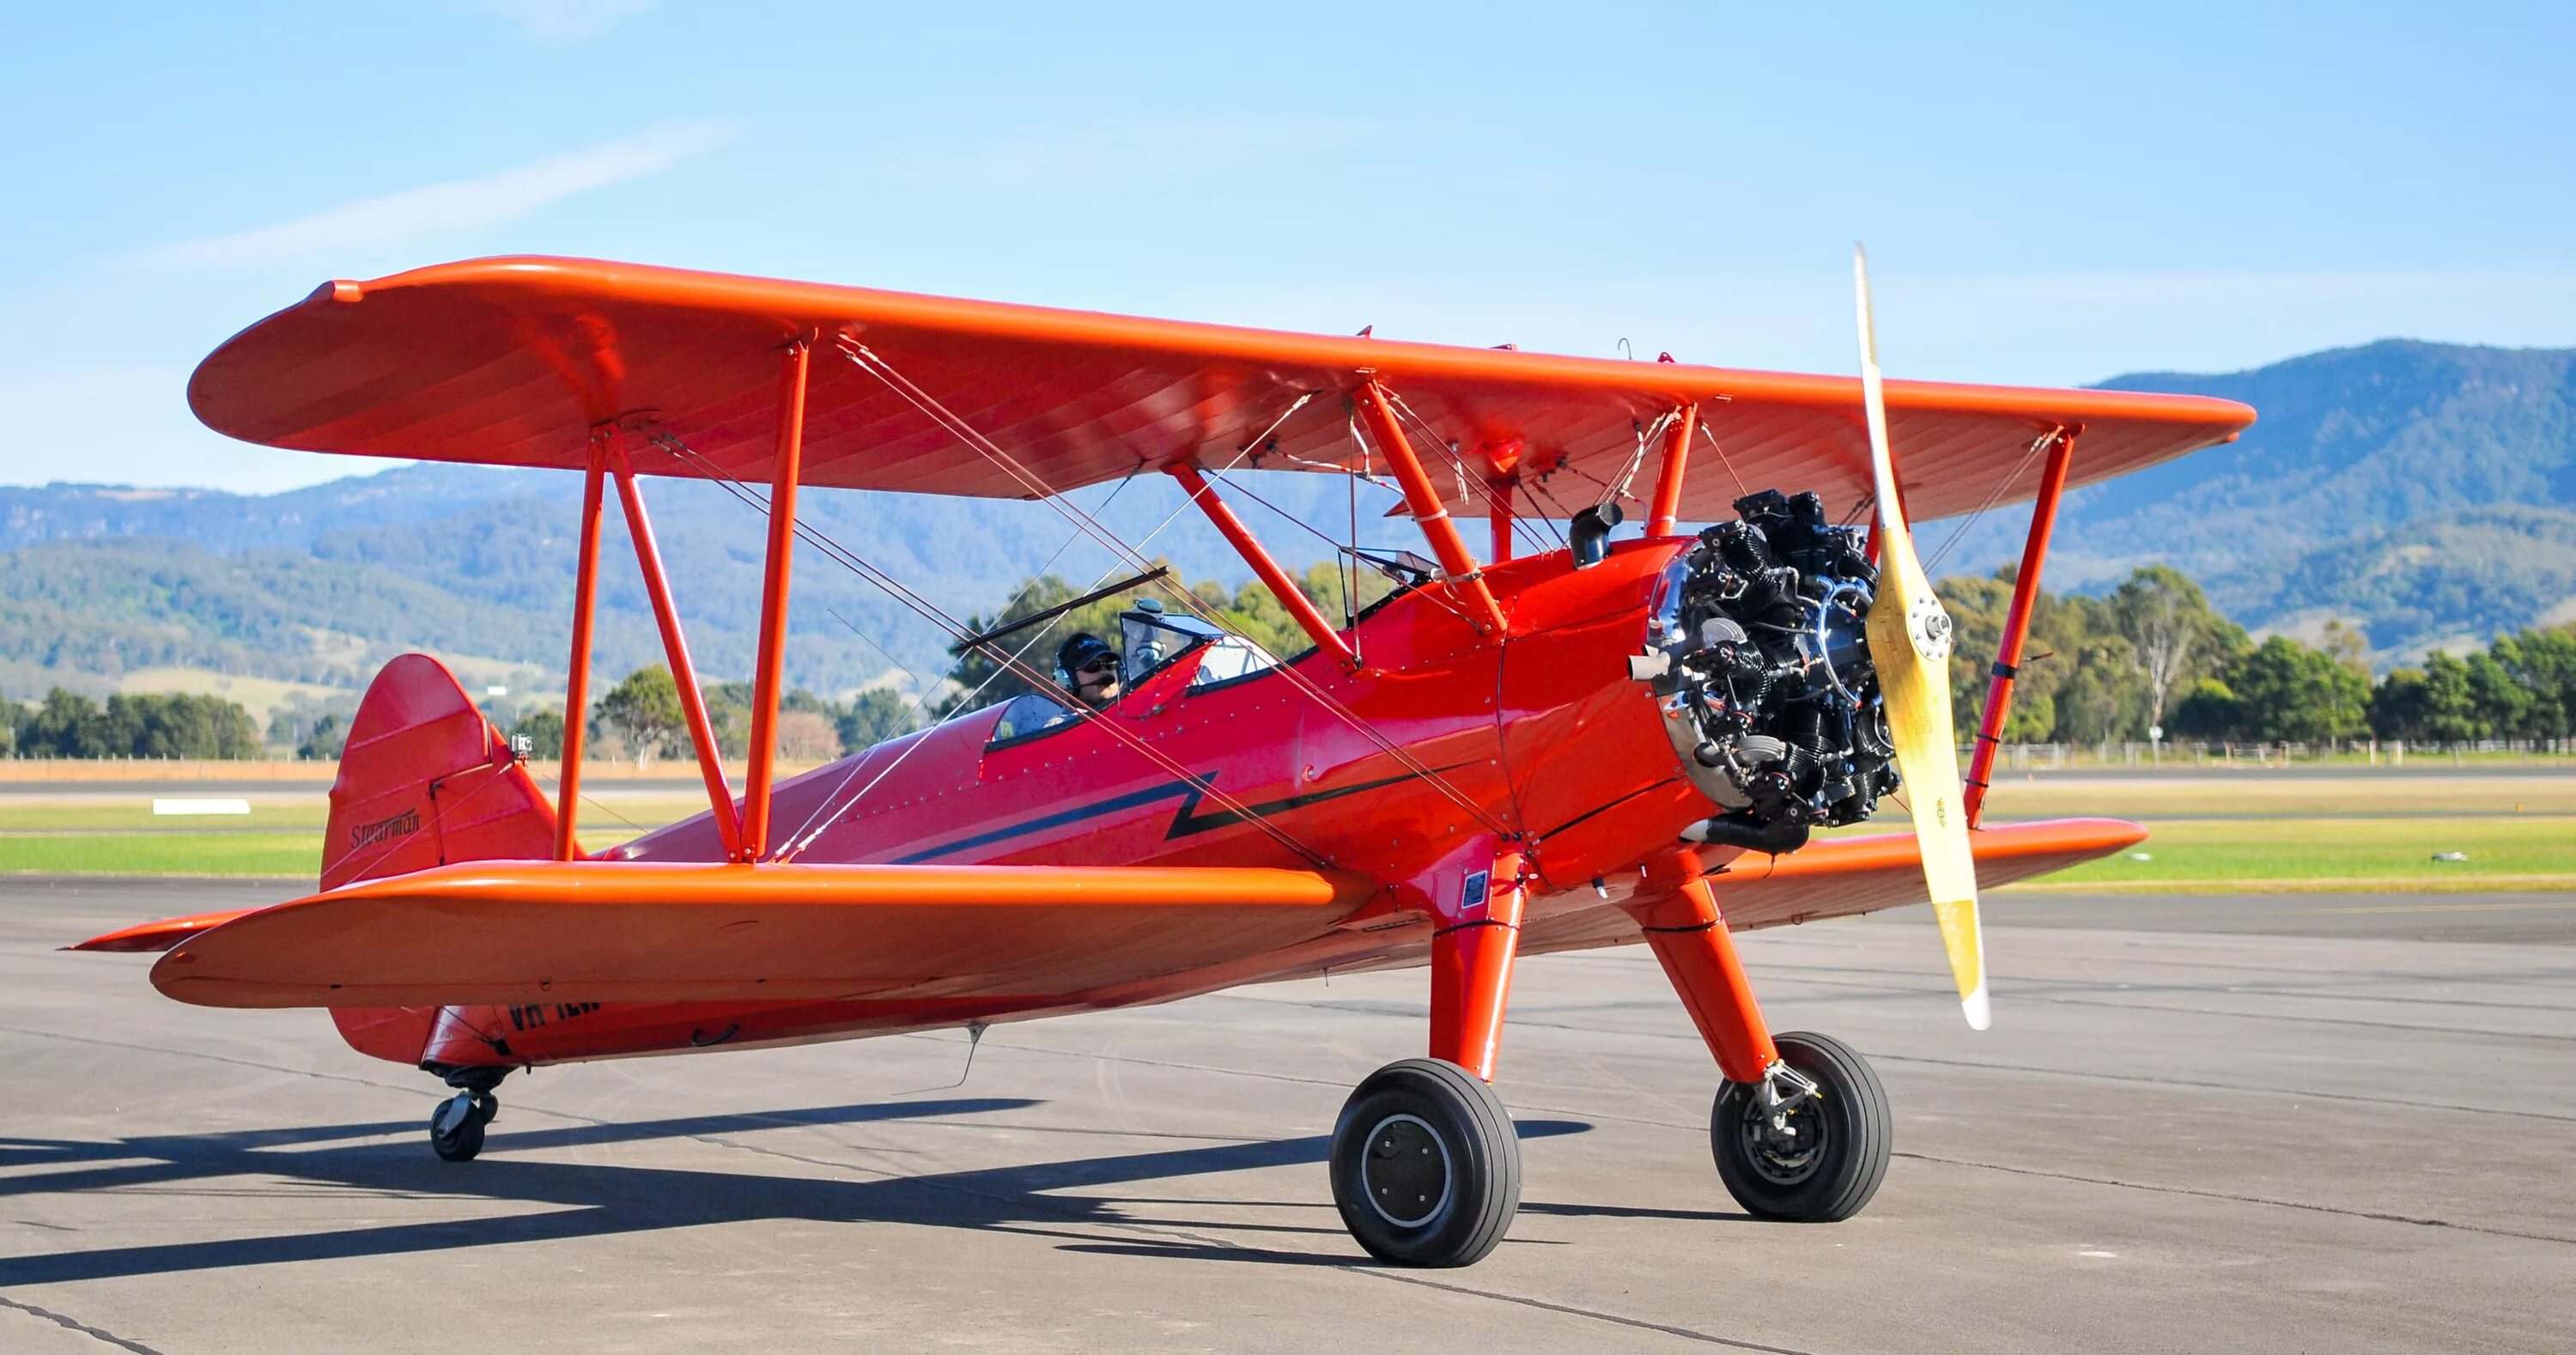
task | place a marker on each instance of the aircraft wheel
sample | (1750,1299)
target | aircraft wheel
(1809,1147)
(456,1127)
(1426,1166)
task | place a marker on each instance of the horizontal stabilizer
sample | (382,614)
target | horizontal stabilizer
(597,931)
(161,935)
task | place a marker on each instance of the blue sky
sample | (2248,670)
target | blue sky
(2049,196)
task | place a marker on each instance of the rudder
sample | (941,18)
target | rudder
(424,780)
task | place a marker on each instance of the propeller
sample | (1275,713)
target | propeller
(1909,643)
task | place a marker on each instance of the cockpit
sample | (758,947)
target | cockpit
(1150,640)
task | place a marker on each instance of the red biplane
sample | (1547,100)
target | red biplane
(1606,741)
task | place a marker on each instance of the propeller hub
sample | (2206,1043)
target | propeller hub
(1927,624)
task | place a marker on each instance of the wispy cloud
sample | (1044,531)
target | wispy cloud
(460,204)
(564,20)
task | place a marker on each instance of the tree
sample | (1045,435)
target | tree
(2398,705)
(874,716)
(2287,691)
(2208,711)
(643,711)
(807,736)
(138,725)
(2170,626)
(2101,697)
(331,734)
(2503,705)
(2450,711)
(2544,663)
(544,730)
(67,724)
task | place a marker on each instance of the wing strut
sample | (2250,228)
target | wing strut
(1430,514)
(772,662)
(2034,554)
(675,644)
(585,605)
(1281,586)
(1666,512)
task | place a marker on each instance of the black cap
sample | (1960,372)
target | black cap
(1079,649)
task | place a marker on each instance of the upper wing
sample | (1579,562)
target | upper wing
(550,931)
(513,361)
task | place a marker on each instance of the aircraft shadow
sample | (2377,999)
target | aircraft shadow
(603,1199)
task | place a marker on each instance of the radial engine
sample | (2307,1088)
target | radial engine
(1758,659)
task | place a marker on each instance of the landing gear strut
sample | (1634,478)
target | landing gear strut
(456,1127)
(1801,1130)
(1426,1165)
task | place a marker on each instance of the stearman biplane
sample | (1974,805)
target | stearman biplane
(1583,739)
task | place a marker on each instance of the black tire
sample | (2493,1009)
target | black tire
(457,1139)
(1846,1138)
(1426,1166)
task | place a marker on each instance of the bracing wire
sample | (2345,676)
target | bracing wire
(825,812)
(1724,460)
(875,365)
(1993,496)
(1473,485)
(818,822)
(931,612)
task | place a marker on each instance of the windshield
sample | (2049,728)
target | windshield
(1153,638)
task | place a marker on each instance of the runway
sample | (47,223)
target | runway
(2205,1122)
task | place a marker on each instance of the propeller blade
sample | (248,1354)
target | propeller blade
(1909,643)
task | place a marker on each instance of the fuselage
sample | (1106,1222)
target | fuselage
(1440,738)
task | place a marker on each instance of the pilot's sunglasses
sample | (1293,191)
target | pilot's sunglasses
(1107,663)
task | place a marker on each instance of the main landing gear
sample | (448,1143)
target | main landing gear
(1426,1166)
(1801,1130)
(1809,1142)
(456,1127)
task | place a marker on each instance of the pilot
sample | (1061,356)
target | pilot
(1088,668)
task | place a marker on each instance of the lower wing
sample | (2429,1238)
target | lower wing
(546,931)
(1837,877)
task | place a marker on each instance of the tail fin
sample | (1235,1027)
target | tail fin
(424,780)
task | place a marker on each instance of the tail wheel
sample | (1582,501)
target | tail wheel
(1810,1143)
(456,1127)
(1426,1166)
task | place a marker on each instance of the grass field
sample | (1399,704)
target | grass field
(234,853)
(2216,832)
(2231,855)
(282,834)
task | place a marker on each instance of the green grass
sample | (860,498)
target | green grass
(297,813)
(235,853)
(2503,852)
(111,815)
(291,854)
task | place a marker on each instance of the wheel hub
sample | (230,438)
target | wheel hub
(1406,1171)
(1784,1129)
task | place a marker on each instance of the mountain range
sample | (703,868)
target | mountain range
(2423,492)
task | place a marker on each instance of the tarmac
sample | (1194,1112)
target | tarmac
(2293,1122)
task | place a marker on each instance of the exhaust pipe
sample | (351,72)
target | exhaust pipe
(1776,837)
